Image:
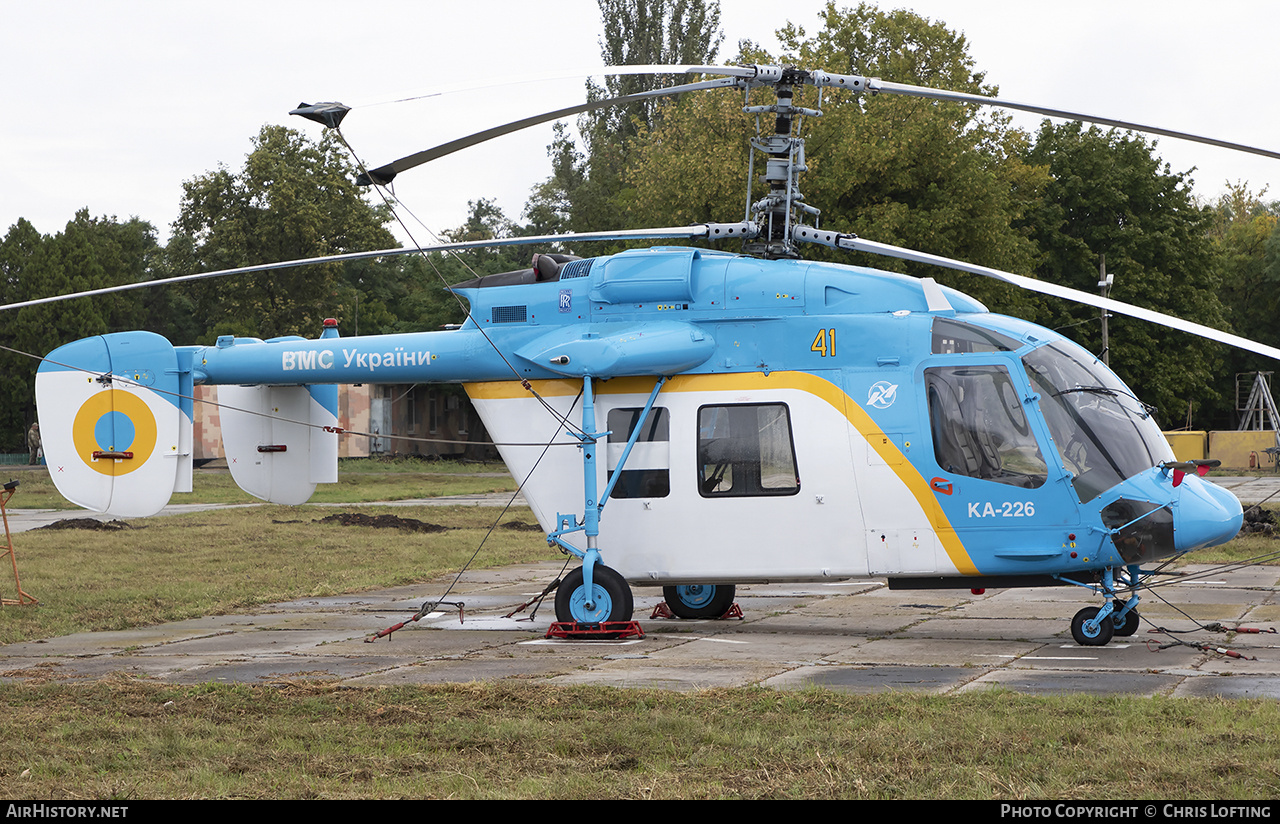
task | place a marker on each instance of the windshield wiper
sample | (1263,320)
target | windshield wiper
(1147,409)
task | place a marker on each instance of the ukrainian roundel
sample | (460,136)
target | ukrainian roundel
(111,406)
(114,421)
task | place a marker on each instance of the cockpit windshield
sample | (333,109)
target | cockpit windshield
(1102,432)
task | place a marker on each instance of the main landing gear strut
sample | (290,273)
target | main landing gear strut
(594,593)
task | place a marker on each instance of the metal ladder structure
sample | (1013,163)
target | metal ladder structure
(1259,408)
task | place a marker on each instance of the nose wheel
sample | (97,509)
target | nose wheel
(1089,631)
(1127,625)
(1118,617)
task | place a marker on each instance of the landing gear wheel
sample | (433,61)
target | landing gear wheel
(699,600)
(1129,625)
(1098,636)
(610,598)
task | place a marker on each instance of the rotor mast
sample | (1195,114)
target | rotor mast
(775,213)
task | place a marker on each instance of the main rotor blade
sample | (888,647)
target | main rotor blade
(385,174)
(712,231)
(1031,284)
(590,71)
(874,84)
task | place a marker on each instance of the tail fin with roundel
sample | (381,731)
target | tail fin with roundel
(115,419)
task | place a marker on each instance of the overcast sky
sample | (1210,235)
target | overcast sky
(111,105)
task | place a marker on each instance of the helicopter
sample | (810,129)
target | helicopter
(696,419)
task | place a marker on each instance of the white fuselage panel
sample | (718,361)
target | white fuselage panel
(852,513)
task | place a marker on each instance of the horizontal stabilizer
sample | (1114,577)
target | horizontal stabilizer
(275,440)
(115,420)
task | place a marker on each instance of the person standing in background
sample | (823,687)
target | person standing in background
(33,443)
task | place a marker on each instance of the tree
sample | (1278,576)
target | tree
(90,253)
(550,206)
(294,198)
(1246,237)
(581,193)
(648,32)
(27,272)
(427,305)
(1110,195)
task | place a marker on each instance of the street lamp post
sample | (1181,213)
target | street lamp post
(1104,286)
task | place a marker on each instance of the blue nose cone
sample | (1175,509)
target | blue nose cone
(1206,515)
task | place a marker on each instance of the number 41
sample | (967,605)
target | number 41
(825,343)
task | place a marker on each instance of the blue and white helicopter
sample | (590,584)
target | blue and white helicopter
(740,417)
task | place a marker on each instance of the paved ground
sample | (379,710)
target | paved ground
(854,636)
(1251,490)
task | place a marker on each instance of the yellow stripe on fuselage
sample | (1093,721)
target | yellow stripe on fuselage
(758,381)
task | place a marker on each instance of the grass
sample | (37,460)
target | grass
(359,481)
(221,561)
(127,739)
(1244,549)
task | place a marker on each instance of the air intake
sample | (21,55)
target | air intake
(510,314)
(576,269)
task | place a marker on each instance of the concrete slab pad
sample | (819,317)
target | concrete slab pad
(1089,682)
(868,680)
(101,643)
(1256,662)
(271,669)
(464,671)
(932,652)
(259,642)
(1265,616)
(1118,656)
(956,627)
(651,675)
(858,635)
(752,646)
(1028,603)
(860,623)
(98,668)
(1219,591)
(1238,687)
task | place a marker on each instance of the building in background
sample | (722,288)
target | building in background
(380,419)
(431,420)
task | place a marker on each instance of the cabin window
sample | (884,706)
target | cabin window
(746,450)
(979,427)
(647,472)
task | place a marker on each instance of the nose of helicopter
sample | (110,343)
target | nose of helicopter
(1206,515)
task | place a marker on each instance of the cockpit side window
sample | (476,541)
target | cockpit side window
(979,427)
(951,337)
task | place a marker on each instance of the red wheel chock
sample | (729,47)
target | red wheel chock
(606,630)
(663,611)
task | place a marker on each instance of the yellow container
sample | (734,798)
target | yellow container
(1243,450)
(1189,445)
